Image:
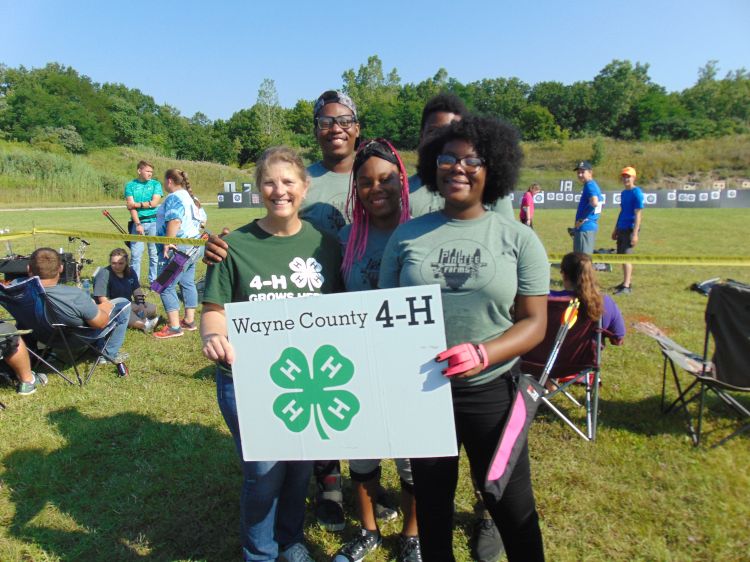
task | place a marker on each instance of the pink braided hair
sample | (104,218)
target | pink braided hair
(356,244)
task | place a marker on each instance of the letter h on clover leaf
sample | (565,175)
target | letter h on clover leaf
(313,394)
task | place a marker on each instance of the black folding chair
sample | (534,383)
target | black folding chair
(27,302)
(728,323)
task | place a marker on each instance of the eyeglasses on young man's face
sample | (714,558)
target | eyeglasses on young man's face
(343,121)
(470,164)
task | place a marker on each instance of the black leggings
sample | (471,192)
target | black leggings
(480,413)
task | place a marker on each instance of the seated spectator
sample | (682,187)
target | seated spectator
(75,308)
(14,353)
(579,279)
(118,280)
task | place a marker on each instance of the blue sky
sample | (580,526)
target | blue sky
(211,57)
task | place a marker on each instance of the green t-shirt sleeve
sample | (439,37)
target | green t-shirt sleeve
(128,190)
(533,266)
(158,190)
(219,283)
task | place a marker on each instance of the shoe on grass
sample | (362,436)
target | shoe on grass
(168,332)
(386,508)
(486,544)
(150,323)
(359,547)
(188,326)
(329,508)
(623,290)
(121,357)
(330,514)
(409,549)
(295,553)
(26,388)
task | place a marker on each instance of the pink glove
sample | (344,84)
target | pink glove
(463,357)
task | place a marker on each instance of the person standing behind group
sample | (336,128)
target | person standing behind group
(142,196)
(494,279)
(439,111)
(337,131)
(272,507)
(527,205)
(589,209)
(179,217)
(378,202)
(628,225)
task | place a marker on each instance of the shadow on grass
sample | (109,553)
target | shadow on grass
(127,487)
(645,417)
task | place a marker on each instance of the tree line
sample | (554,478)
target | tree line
(58,109)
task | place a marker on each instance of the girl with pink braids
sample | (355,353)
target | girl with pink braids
(377,203)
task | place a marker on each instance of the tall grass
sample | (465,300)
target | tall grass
(32,176)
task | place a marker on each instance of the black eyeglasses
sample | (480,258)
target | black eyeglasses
(343,121)
(469,163)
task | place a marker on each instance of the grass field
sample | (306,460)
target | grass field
(143,468)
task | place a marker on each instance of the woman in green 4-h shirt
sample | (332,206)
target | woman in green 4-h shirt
(273,492)
(494,280)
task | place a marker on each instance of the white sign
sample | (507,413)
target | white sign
(342,376)
(229,186)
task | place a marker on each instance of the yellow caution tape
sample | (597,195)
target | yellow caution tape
(663,260)
(105,236)
(554,258)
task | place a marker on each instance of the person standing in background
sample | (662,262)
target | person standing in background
(589,210)
(628,225)
(527,205)
(142,196)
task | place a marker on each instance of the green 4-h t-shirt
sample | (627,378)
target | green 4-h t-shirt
(325,203)
(480,265)
(260,266)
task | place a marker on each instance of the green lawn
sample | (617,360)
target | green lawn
(143,468)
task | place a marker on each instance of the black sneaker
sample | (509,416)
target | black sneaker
(409,549)
(329,509)
(358,547)
(487,546)
(623,290)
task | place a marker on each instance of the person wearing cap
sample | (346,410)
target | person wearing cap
(337,131)
(589,209)
(628,224)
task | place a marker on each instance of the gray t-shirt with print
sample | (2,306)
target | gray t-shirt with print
(480,265)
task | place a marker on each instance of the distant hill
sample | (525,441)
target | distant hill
(31,175)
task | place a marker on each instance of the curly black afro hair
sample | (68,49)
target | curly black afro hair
(495,141)
(449,103)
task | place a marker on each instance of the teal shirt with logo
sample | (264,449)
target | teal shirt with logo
(480,265)
(363,275)
(142,191)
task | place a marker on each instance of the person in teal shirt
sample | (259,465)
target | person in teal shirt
(142,196)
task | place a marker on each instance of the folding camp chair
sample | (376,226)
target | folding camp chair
(728,322)
(27,302)
(578,358)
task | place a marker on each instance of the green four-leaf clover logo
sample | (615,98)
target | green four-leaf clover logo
(312,393)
